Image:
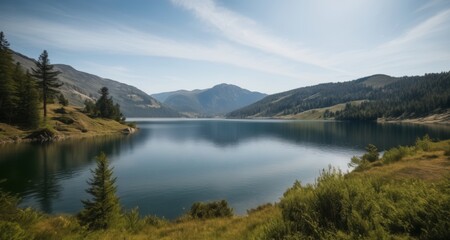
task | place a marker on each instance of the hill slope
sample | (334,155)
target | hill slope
(376,96)
(79,86)
(72,123)
(214,101)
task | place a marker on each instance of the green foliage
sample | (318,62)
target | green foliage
(47,79)
(362,163)
(372,153)
(339,207)
(27,99)
(423,144)
(8,206)
(400,98)
(11,230)
(18,93)
(154,221)
(104,107)
(396,154)
(214,209)
(133,223)
(62,100)
(103,210)
(7,86)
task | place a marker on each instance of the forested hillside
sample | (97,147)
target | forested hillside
(378,96)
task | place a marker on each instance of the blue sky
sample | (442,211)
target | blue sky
(267,46)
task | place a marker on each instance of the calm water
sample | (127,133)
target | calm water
(169,164)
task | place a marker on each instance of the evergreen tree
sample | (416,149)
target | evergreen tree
(106,108)
(27,99)
(7,86)
(47,79)
(105,104)
(62,100)
(103,211)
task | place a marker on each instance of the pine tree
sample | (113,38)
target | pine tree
(47,79)
(27,99)
(105,104)
(103,211)
(7,87)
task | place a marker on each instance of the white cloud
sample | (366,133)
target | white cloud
(421,46)
(125,40)
(247,32)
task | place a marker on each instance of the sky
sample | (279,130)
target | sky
(268,46)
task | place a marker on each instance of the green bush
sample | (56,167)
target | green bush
(8,206)
(133,223)
(154,221)
(341,207)
(396,154)
(423,144)
(11,230)
(215,209)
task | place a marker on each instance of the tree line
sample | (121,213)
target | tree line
(409,97)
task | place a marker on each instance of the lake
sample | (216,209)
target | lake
(171,163)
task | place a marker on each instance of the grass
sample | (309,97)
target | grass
(401,199)
(70,123)
(318,113)
(432,165)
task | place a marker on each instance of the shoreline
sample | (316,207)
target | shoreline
(71,124)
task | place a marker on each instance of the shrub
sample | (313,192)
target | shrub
(341,207)
(133,223)
(11,230)
(8,206)
(423,144)
(372,153)
(154,221)
(215,209)
(396,154)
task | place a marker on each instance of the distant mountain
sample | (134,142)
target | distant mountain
(368,98)
(79,86)
(214,101)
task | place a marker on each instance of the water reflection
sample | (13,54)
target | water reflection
(169,164)
(225,133)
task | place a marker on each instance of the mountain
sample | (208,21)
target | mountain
(214,101)
(368,98)
(79,86)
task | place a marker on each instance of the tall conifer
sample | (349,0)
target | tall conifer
(27,99)
(47,79)
(7,87)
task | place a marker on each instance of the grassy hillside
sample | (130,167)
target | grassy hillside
(403,195)
(60,125)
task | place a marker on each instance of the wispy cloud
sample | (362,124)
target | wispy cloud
(419,46)
(245,31)
(116,38)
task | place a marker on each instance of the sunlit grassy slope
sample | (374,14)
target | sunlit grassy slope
(71,122)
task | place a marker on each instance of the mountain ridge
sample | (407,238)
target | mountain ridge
(80,86)
(215,101)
